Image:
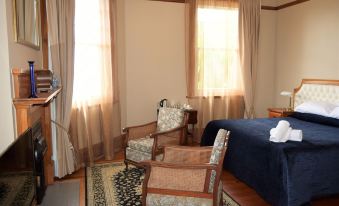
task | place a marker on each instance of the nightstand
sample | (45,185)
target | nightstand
(192,120)
(278,112)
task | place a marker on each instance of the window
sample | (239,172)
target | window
(92,58)
(217,59)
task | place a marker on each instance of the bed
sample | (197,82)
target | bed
(290,173)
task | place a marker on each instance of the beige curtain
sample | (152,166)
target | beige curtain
(249,21)
(60,15)
(95,126)
(214,80)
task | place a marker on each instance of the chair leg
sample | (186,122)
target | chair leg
(126,164)
(221,203)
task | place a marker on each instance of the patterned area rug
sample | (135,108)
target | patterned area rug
(16,188)
(111,184)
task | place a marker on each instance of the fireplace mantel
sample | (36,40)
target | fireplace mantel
(43,98)
(31,110)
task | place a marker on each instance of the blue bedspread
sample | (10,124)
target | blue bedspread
(290,173)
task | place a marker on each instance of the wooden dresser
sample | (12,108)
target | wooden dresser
(31,110)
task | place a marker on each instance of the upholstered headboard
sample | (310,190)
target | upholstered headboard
(316,90)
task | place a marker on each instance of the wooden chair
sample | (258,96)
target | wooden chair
(187,175)
(146,142)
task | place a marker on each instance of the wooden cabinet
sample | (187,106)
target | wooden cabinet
(278,112)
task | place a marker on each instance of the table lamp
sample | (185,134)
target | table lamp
(287,94)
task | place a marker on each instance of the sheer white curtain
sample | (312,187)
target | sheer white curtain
(96,113)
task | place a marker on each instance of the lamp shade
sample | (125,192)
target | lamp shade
(286,93)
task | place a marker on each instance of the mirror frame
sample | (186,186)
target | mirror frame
(16,29)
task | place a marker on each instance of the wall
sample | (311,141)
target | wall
(154,57)
(264,96)
(6,120)
(307,44)
(12,55)
(141,56)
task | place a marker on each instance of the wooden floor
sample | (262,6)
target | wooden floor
(239,191)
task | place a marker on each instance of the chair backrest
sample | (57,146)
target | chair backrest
(169,118)
(219,147)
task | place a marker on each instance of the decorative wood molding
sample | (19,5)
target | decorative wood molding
(44,34)
(290,4)
(269,8)
(273,8)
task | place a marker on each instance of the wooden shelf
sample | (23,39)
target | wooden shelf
(43,98)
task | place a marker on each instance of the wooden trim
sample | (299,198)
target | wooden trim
(291,4)
(43,98)
(275,8)
(145,184)
(272,8)
(179,193)
(44,34)
(316,81)
(313,81)
(125,129)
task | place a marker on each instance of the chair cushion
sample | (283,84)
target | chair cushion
(215,155)
(142,144)
(218,146)
(170,200)
(169,118)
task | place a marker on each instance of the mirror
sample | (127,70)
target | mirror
(27,22)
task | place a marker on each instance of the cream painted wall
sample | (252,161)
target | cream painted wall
(265,86)
(6,120)
(11,55)
(269,2)
(154,57)
(307,44)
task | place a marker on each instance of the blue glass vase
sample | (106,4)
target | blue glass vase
(33,86)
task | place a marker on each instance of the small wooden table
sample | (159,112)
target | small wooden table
(278,112)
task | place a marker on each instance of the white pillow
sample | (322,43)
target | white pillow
(316,107)
(335,113)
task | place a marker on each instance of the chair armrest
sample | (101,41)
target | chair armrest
(177,177)
(126,129)
(185,154)
(139,131)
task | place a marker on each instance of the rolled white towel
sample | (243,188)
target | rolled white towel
(296,135)
(281,132)
(285,138)
(292,135)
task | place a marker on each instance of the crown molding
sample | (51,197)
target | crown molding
(272,8)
